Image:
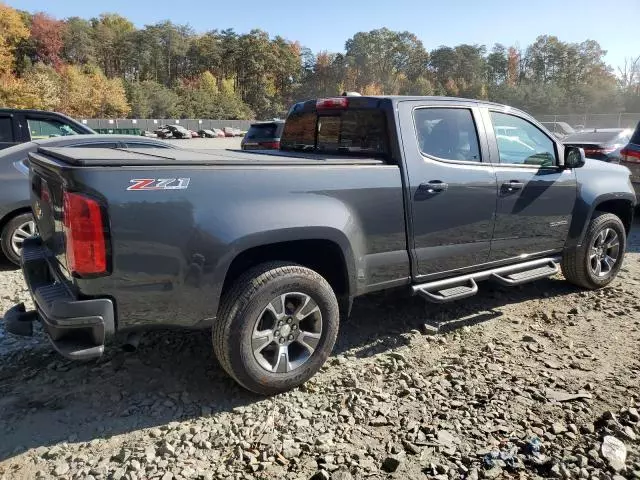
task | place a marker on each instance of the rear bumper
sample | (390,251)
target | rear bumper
(77,328)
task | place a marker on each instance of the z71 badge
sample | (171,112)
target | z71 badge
(147,184)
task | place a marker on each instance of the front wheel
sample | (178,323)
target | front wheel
(597,261)
(276,327)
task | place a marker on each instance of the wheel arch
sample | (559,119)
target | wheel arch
(325,250)
(619,204)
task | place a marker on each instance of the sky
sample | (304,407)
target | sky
(327,24)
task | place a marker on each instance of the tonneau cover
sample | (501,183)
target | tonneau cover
(104,157)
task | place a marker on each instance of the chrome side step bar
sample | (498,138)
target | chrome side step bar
(456,288)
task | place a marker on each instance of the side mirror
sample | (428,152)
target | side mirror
(573,157)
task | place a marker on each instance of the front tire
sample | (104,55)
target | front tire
(596,263)
(14,233)
(276,327)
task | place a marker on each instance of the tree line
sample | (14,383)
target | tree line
(106,67)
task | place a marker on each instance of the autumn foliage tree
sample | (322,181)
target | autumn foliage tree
(47,37)
(106,66)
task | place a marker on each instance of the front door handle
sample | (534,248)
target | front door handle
(434,186)
(512,186)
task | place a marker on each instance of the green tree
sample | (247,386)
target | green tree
(12,31)
(78,45)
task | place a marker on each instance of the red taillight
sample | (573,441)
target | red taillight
(272,145)
(84,233)
(629,155)
(332,103)
(593,151)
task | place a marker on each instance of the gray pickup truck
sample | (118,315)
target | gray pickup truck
(269,248)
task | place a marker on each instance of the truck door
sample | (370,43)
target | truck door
(451,185)
(535,196)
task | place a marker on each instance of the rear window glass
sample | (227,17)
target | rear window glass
(265,130)
(592,137)
(635,138)
(341,132)
(6,130)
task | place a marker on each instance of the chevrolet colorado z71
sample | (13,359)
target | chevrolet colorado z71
(269,249)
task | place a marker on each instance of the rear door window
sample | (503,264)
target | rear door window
(447,133)
(359,132)
(6,130)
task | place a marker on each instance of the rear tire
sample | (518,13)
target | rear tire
(18,229)
(596,263)
(276,327)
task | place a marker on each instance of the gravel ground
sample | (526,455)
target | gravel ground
(536,381)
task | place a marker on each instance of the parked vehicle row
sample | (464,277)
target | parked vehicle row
(178,131)
(433,195)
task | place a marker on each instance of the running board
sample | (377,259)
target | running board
(456,288)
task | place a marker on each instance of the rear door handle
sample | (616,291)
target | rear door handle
(512,186)
(434,186)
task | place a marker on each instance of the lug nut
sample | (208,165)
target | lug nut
(289,320)
(282,339)
(280,323)
(294,327)
(290,337)
(277,333)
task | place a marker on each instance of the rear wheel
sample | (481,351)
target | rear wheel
(14,233)
(597,261)
(276,327)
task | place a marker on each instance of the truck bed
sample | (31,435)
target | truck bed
(103,157)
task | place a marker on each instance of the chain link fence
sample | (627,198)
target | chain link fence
(595,120)
(151,124)
(592,120)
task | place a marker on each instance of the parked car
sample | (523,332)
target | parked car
(229,132)
(164,132)
(601,143)
(207,133)
(263,136)
(237,132)
(194,134)
(219,132)
(16,221)
(559,129)
(172,131)
(18,126)
(366,194)
(630,158)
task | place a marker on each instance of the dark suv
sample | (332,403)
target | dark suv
(263,136)
(19,126)
(630,158)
